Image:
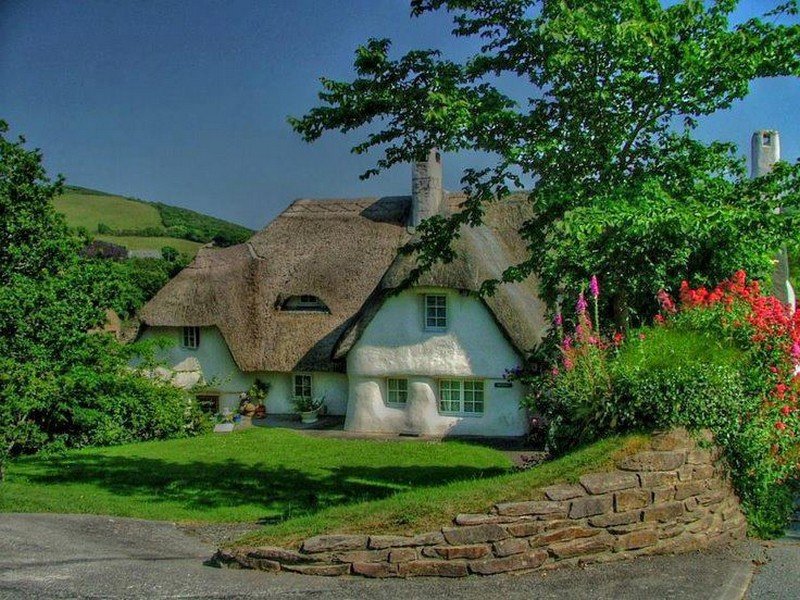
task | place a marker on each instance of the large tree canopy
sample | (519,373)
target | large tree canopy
(60,383)
(614,90)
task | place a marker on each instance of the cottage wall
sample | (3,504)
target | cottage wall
(213,361)
(396,344)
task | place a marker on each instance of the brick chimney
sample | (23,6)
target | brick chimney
(427,194)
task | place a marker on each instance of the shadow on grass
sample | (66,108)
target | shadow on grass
(281,492)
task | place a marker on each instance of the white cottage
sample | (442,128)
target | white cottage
(317,303)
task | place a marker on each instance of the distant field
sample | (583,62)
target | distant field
(152,243)
(128,222)
(89,209)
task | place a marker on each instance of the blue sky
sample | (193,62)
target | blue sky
(186,102)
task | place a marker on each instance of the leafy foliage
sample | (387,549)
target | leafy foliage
(725,359)
(59,382)
(190,225)
(599,89)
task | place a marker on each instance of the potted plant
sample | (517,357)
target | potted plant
(308,407)
(251,402)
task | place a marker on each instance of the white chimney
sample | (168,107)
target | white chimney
(427,194)
(765,151)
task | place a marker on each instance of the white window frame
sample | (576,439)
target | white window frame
(455,395)
(440,318)
(190,337)
(310,385)
(397,388)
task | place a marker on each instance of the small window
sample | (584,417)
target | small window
(766,139)
(191,337)
(302,386)
(209,403)
(435,312)
(305,303)
(458,396)
(397,391)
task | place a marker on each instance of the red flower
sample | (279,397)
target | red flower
(780,425)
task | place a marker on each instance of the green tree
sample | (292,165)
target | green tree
(58,381)
(606,97)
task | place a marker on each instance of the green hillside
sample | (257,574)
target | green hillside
(89,210)
(139,225)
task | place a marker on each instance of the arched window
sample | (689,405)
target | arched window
(304,303)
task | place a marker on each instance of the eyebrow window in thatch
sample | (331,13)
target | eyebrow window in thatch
(305,303)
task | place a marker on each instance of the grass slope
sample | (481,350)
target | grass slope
(255,475)
(184,229)
(427,508)
(86,210)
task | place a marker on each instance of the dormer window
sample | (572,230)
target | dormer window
(305,303)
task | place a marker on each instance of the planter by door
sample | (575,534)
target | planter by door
(309,416)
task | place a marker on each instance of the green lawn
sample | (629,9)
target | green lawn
(89,209)
(263,475)
(296,485)
(133,242)
(436,503)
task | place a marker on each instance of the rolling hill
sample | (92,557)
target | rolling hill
(144,226)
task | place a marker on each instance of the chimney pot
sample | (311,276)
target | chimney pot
(427,193)
(765,151)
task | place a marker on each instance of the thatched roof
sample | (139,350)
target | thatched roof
(481,253)
(345,252)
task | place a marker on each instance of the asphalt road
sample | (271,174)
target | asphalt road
(778,578)
(79,556)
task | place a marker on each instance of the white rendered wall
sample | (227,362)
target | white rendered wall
(395,344)
(218,369)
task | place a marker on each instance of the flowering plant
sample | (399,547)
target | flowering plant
(725,358)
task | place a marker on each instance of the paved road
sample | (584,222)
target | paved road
(75,556)
(779,577)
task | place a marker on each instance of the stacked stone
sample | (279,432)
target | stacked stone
(672,497)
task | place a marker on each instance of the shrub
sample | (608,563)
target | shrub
(724,359)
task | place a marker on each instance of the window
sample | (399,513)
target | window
(191,337)
(461,396)
(766,139)
(304,303)
(209,403)
(435,312)
(302,386)
(397,391)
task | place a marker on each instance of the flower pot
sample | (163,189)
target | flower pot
(309,416)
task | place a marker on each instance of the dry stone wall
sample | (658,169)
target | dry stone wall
(671,497)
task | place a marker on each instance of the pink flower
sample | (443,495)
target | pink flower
(566,343)
(554,372)
(582,305)
(558,319)
(796,350)
(594,286)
